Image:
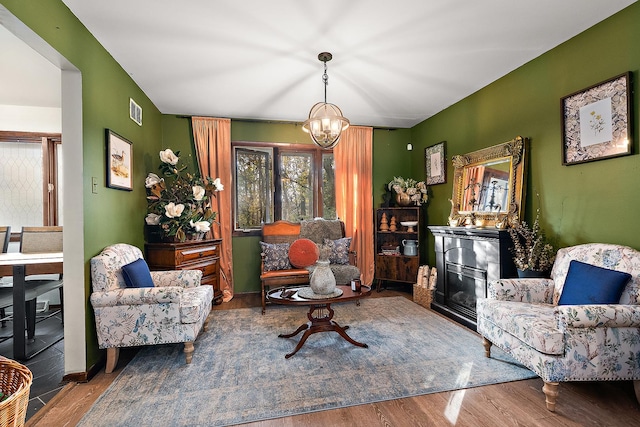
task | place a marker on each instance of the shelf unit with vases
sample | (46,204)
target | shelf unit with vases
(391,265)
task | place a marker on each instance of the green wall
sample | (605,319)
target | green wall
(591,202)
(110,216)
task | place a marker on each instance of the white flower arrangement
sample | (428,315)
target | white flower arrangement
(180,202)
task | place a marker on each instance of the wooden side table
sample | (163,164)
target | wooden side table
(203,255)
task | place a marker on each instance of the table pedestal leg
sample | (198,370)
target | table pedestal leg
(19,342)
(319,322)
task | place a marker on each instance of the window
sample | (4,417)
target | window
(29,176)
(281,181)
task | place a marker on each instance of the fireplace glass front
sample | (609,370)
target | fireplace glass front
(464,286)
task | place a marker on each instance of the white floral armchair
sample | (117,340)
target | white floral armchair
(567,342)
(173,311)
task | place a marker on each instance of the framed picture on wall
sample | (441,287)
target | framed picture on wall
(435,164)
(119,162)
(597,121)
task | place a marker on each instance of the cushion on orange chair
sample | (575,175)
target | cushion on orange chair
(303,253)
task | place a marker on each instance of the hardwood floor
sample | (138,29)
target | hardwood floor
(519,403)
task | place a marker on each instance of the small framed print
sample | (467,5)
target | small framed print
(119,162)
(597,122)
(435,164)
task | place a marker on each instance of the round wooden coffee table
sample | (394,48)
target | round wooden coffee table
(320,313)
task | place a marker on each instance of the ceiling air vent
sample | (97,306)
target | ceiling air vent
(135,112)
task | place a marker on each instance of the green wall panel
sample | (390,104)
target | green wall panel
(391,158)
(592,202)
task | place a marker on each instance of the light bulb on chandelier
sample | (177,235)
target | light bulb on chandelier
(326,122)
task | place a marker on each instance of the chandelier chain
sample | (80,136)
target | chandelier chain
(325,79)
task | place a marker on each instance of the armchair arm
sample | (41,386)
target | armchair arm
(263,257)
(136,296)
(523,290)
(179,278)
(600,315)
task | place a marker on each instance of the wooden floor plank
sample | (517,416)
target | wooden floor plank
(518,403)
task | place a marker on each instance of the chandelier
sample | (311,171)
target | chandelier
(326,122)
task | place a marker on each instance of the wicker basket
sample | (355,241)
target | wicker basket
(422,295)
(15,380)
(424,287)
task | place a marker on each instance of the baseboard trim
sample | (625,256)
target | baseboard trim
(83,377)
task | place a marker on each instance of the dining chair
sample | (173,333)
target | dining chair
(39,240)
(5,236)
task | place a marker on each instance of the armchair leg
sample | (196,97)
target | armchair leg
(264,303)
(487,347)
(112,359)
(188,351)
(636,388)
(550,391)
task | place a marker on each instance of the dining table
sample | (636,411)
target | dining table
(20,265)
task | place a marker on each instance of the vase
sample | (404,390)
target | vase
(403,199)
(532,274)
(322,280)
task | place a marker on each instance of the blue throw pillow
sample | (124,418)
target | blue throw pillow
(137,274)
(588,284)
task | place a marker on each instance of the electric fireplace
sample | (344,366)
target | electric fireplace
(467,260)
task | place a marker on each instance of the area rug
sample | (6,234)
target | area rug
(239,373)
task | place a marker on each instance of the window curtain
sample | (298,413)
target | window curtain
(212,138)
(354,193)
(473,190)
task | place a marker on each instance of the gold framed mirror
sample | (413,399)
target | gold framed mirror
(488,186)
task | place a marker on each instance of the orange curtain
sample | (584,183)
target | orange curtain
(212,139)
(354,193)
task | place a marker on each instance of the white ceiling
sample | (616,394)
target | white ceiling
(395,63)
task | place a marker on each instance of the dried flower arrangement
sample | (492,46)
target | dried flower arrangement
(415,190)
(531,251)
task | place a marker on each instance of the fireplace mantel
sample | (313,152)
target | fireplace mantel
(466,260)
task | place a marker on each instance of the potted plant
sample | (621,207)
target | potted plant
(179,203)
(408,191)
(532,254)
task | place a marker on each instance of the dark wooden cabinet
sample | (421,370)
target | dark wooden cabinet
(467,259)
(203,255)
(390,266)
